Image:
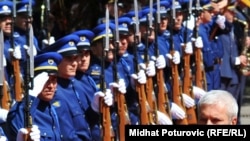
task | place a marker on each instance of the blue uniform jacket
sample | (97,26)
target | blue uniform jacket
(73,108)
(87,83)
(43,116)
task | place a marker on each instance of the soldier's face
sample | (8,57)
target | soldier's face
(67,67)
(163,24)
(23,21)
(5,23)
(97,50)
(83,60)
(123,44)
(178,20)
(49,89)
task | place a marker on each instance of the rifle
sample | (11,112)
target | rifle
(187,80)
(107,130)
(176,90)
(119,97)
(140,88)
(162,99)
(152,114)
(200,76)
(15,62)
(4,89)
(29,73)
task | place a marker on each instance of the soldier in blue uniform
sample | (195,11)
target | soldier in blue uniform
(162,62)
(212,51)
(71,100)
(83,74)
(163,38)
(45,123)
(127,61)
(103,65)
(22,25)
(139,51)
(17,47)
(5,26)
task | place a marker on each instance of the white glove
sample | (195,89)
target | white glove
(177,112)
(140,77)
(188,101)
(163,119)
(39,82)
(3,115)
(16,52)
(150,70)
(3,138)
(189,48)
(34,134)
(108,99)
(4,61)
(175,58)
(198,92)
(29,50)
(221,21)
(46,43)
(120,85)
(198,42)
(160,62)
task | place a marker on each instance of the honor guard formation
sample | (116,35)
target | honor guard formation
(82,70)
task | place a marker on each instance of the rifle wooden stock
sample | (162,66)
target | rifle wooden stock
(149,86)
(151,101)
(107,130)
(5,99)
(17,79)
(28,125)
(200,77)
(162,100)
(144,119)
(187,89)
(123,114)
(177,98)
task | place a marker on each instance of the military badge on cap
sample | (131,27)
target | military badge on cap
(85,38)
(100,31)
(23,6)
(47,62)
(5,7)
(66,45)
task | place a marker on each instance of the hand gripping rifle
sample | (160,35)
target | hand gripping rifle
(150,94)
(120,101)
(15,62)
(187,80)
(162,96)
(176,87)
(140,88)
(200,76)
(4,89)
(106,127)
(29,73)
